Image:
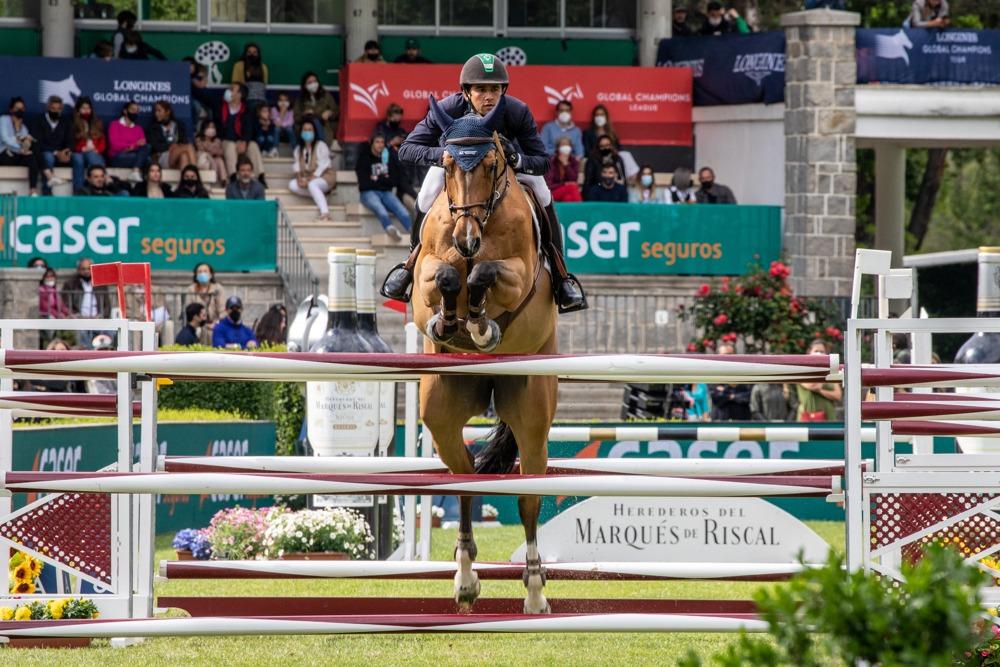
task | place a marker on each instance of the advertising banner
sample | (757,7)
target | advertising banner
(90,447)
(663,239)
(916,56)
(730,69)
(169,234)
(109,85)
(648,105)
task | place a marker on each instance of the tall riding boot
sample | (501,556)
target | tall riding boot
(399,280)
(568,291)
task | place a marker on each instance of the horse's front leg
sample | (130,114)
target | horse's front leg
(505,279)
(443,326)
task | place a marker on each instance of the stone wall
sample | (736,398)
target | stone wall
(820,163)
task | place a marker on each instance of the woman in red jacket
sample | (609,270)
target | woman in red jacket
(89,141)
(563,173)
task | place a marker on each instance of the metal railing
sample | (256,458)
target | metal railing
(293,265)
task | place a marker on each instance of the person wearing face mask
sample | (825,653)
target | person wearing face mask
(608,188)
(245,186)
(411,55)
(645,191)
(314,174)
(135,48)
(562,126)
(392,129)
(251,70)
(718,21)
(230,332)
(564,172)
(190,186)
(604,153)
(209,148)
(711,192)
(90,142)
(316,104)
(818,401)
(127,145)
(206,291)
(16,143)
(600,125)
(283,118)
(84,299)
(53,133)
(266,133)
(372,54)
(50,302)
(195,317)
(237,127)
(378,173)
(37,263)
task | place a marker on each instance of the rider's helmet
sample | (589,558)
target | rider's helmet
(484,68)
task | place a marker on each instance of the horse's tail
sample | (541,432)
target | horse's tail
(500,454)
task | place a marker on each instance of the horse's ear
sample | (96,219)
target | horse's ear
(499,146)
(442,119)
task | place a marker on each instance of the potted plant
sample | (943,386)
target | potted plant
(237,533)
(490,513)
(192,544)
(65,608)
(335,533)
(437,514)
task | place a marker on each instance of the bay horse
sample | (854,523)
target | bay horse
(481,287)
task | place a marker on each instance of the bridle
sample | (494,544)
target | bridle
(465,210)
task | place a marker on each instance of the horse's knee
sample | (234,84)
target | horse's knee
(448,281)
(484,275)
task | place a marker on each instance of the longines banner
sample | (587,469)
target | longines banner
(90,447)
(730,69)
(663,239)
(169,234)
(109,85)
(648,105)
(917,56)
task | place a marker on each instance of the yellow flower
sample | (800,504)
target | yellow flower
(6,613)
(22,614)
(22,572)
(992,611)
(23,588)
(96,614)
(35,565)
(56,608)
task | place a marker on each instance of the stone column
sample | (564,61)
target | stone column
(890,196)
(655,19)
(360,25)
(820,163)
(57,28)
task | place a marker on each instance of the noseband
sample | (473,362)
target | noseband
(465,210)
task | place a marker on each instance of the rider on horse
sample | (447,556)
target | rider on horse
(484,81)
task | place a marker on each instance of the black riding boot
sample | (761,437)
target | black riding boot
(568,291)
(400,277)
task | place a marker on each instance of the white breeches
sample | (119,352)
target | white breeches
(434,183)
(317,189)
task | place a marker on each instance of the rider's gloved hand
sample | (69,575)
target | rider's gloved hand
(513,157)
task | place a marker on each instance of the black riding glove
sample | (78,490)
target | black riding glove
(510,152)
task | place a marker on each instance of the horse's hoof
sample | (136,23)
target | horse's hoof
(466,595)
(486,342)
(431,330)
(538,605)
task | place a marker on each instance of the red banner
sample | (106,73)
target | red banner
(647,105)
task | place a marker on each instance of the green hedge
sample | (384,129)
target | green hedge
(280,402)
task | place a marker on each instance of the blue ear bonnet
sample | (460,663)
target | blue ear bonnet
(467,139)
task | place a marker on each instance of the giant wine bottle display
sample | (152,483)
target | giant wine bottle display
(368,327)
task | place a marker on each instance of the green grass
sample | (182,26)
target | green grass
(430,650)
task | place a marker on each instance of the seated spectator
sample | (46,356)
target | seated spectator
(604,152)
(99,184)
(266,133)
(84,299)
(378,174)
(103,50)
(730,402)
(272,328)
(50,304)
(818,401)
(206,291)
(53,133)
(168,138)
(372,54)
(56,386)
(283,118)
(38,263)
(251,71)
(190,186)
(600,125)
(237,130)
(680,26)
(230,332)
(315,104)
(711,192)
(563,125)
(928,14)
(195,317)
(135,48)
(314,175)
(152,186)
(681,190)
(244,186)
(645,191)
(16,142)
(608,189)
(564,172)
(209,147)
(391,127)
(411,55)
(773,403)
(89,141)
(127,146)
(719,21)
(126,23)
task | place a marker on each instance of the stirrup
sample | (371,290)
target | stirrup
(402,284)
(570,297)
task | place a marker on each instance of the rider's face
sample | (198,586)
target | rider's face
(484,97)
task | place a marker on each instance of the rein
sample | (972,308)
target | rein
(465,210)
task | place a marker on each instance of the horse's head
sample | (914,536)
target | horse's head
(475,175)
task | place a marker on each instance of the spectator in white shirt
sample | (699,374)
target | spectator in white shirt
(314,174)
(562,126)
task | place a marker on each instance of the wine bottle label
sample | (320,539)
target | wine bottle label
(988,299)
(386,416)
